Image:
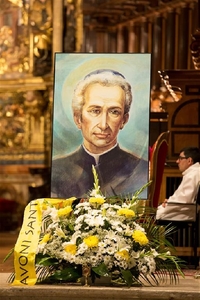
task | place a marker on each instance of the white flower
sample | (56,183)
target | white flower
(95,221)
(110,250)
(95,193)
(91,220)
(143,269)
(154,252)
(131,263)
(54,214)
(59,232)
(82,248)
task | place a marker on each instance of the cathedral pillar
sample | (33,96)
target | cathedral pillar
(170,38)
(57,26)
(120,39)
(183,37)
(156,49)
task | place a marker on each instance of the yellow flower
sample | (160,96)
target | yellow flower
(124,254)
(91,241)
(98,200)
(129,213)
(44,206)
(140,237)
(45,238)
(69,201)
(64,211)
(54,202)
(71,248)
(58,203)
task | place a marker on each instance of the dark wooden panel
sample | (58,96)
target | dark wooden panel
(180,139)
(184,115)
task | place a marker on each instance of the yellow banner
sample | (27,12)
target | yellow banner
(26,245)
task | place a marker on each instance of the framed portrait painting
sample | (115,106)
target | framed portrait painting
(100,119)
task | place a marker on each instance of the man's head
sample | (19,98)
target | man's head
(101,105)
(187,157)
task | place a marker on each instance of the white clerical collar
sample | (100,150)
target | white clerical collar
(96,156)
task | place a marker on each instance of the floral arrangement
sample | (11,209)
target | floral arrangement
(97,237)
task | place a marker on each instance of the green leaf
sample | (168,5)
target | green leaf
(127,276)
(45,260)
(71,227)
(101,270)
(69,274)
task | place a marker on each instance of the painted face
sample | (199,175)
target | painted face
(184,162)
(102,117)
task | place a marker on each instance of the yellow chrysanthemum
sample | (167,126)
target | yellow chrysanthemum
(128,213)
(98,200)
(124,254)
(64,211)
(71,248)
(91,241)
(140,237)
(45,238)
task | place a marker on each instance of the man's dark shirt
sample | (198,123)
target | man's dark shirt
(119,173)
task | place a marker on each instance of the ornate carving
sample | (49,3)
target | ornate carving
(41,24)
(14,41)
(26,43)
(24,118)
(195,49)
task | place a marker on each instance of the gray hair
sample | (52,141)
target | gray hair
(105,77)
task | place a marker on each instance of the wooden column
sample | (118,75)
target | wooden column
(120,40)
(183,38)
(57,26)
(89,40)
(156,50)
(131,40)
(144,36)
(170,35)
(112,44)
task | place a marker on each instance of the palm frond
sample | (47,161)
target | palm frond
(46,221)
(44,272)
(11,278)
(8,255)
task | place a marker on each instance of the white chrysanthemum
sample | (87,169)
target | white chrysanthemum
(101,245)
(40,248)
(95,221)
(151,264)
(80,219)
(143,269)
(110,250)
(107,259)
(82,248)
(123,264)
(99,256)
(93,260)
(138,227)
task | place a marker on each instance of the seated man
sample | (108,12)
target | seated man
(188,163)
